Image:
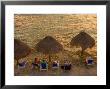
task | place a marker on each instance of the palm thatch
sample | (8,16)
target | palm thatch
(20,49)
(83,40)
(49,45)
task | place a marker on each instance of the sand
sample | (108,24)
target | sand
(63,27)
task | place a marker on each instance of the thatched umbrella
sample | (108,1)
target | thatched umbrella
(21,50)
(49,45)
(83,40)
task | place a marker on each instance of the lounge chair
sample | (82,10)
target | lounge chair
(66,65)
(22,64)
(43,65)
(89,61)
(55,64)
(35,63)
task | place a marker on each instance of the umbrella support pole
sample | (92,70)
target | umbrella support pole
(82,53)
(49,61)
(17,62)
(49,58)
(81,56)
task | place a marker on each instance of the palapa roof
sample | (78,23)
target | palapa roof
(20,49)
(83,39)
(49,45)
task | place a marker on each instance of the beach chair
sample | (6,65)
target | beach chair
(89,61)
(43,65)
(35,64)
(22,64)
(66,65)
(55,65)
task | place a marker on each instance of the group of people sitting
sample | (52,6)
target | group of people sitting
(43,64)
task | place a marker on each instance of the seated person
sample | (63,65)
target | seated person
(35,63)
(66,66)
(22,63)
(55,64)
(89,60)
(62,67)
(43,64)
